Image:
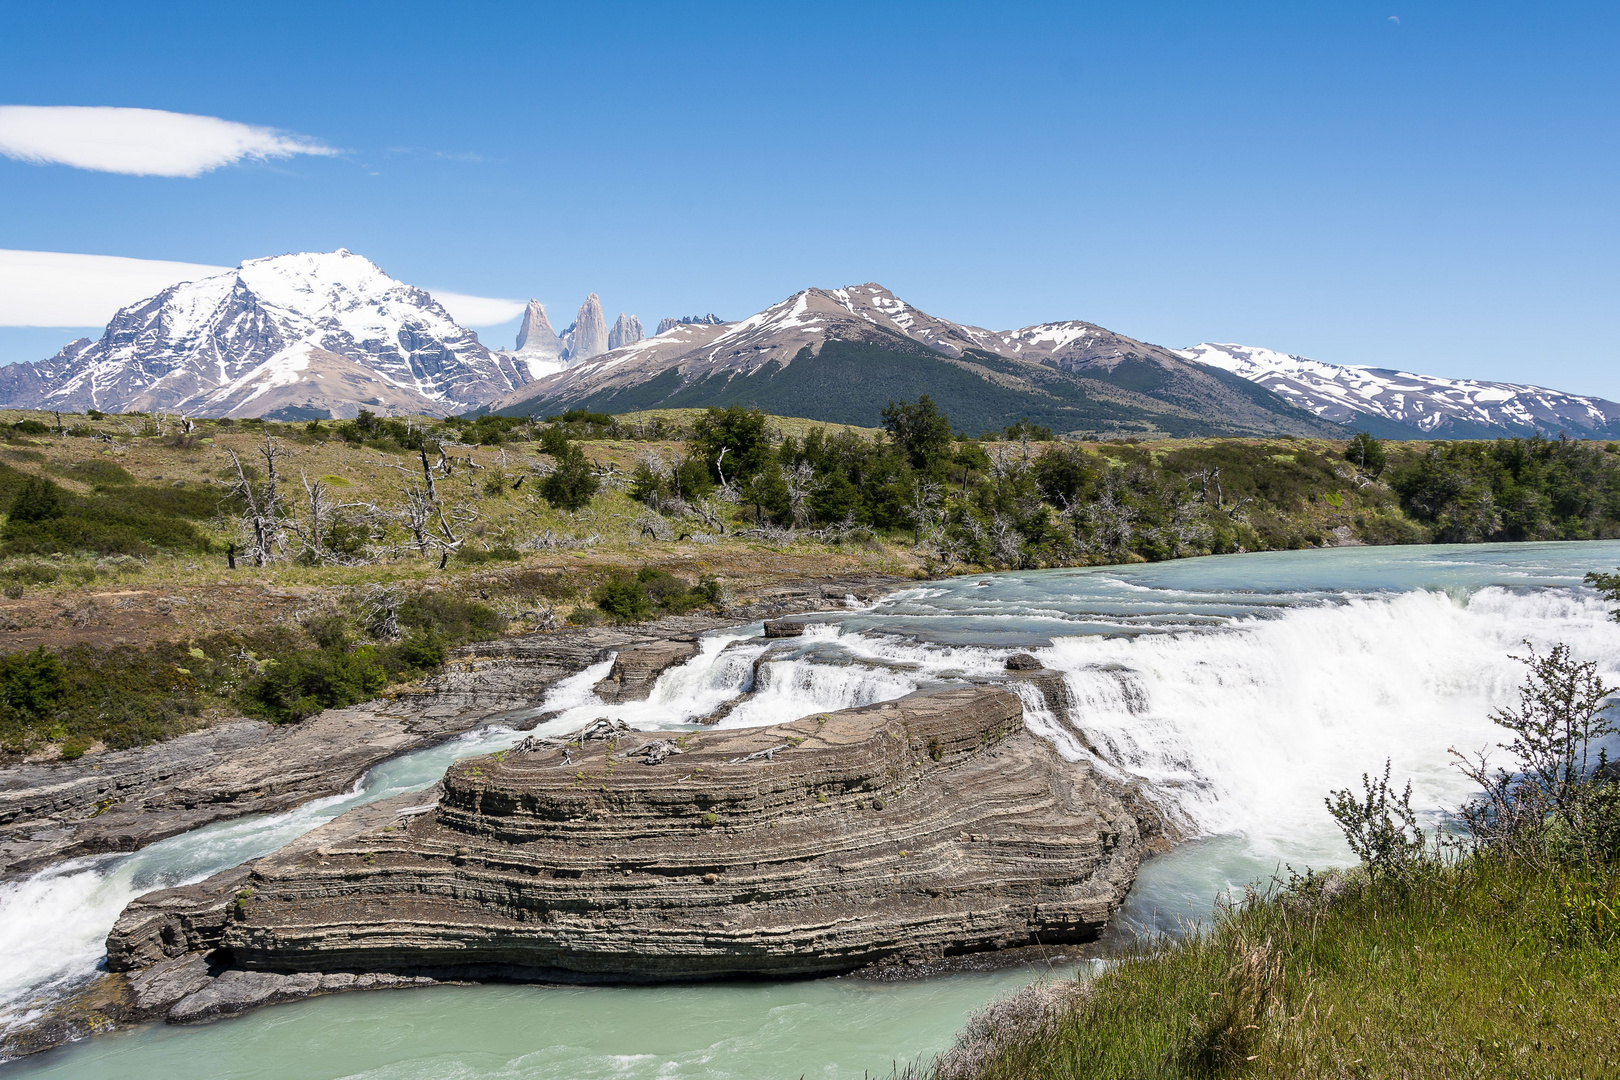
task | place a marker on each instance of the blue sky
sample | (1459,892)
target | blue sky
(1436,193)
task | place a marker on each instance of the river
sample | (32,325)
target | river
(1242,688)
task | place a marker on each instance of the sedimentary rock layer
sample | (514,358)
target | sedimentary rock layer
(927,827)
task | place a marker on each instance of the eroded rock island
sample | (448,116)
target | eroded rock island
(917,829)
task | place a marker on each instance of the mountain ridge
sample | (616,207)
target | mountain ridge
(312,334)
(1072,376)
(295,336)
(1388,401)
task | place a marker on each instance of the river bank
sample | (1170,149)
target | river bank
(123,801)
(1239,688)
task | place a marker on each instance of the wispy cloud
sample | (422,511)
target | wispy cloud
(478,310)
(140,142)
(53,288)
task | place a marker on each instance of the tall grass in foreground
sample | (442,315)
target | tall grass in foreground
(1485,967)
(1497,957)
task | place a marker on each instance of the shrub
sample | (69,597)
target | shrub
(1367,454)
(451,617)
(479,556)
(305,682)
(39,500)
(571,485)
(624,598)
(32,683)
(1381,827)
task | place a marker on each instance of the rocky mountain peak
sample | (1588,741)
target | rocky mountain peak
(299,335)
(669,323)
(626,331)
(588,336)
(536,336)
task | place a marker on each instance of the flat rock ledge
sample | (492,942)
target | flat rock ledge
(910,831)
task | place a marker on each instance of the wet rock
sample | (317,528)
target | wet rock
(636,668)
(780,628)
(1023,662)
(100,1007)
(170,923)
(159,988)
(237,991)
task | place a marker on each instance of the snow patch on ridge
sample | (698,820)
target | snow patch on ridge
(1429,403)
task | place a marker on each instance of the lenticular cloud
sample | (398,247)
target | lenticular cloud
(139,142)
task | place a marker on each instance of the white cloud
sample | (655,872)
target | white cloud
(139,142)
(52,288)
(478,310)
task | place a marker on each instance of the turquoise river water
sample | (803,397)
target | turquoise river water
(1241,688)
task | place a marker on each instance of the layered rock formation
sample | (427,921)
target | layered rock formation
(637,668)
(626,331)
(927,827)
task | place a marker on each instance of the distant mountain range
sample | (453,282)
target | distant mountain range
(324,335)
(1402,405)
(842,354)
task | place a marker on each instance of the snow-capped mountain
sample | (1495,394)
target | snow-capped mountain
(294,336)
(840,354)
(1422,404)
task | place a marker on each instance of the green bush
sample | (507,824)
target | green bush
(302,683)
(624,598)
(1367,454)
(479,556)
(631,599)
(32,683)
(38,500)
(572,484)
(451,617)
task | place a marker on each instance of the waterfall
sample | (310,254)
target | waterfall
(1238,700)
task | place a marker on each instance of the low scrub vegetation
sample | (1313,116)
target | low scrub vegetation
(127,695)
(155,509)
(1490,949)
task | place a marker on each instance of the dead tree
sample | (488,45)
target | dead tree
(927,509)
(801,480)
(424,513)
(1205,479)
(262,515)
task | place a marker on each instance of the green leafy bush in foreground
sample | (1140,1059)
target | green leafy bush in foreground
(117,518)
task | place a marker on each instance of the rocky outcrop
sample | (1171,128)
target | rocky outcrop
(930,826)
(126,799)
(626,331)
(669,322)
(588,336)
(637,668)
(535,337)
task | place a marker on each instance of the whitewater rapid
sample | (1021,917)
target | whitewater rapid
(1238,690)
